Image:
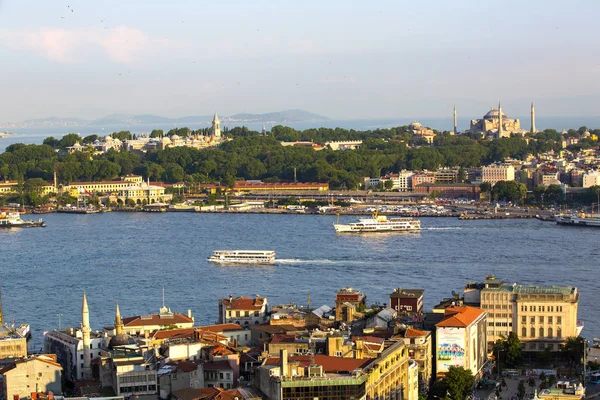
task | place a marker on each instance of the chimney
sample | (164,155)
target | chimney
(190,314)
(283,359)
(230,298)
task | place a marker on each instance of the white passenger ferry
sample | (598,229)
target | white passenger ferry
(243,256)
(379,224)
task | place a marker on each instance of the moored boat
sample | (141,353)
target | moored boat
(12,219)
(243,256)
(379,223)
(578,220)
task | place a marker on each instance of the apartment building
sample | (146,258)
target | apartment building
(495,173)
(541,316)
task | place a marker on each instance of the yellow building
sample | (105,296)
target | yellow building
(41,374)
(392,375)
(541,316)
(12,345)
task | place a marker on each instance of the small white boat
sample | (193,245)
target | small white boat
(243,256)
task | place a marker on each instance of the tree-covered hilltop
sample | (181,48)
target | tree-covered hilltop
(252,156)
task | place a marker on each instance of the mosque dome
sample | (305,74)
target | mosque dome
(165,139)
(415,125)
(121,339)
(175,137)
(494,113)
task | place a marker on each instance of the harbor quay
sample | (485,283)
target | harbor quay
(349,348)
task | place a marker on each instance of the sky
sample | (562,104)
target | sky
(342,59)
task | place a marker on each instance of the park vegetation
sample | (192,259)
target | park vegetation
(252,156)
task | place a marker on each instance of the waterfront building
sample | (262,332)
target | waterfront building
(449,190)
(446,175)
(75,348)
(243,311)
(142,192)
(461,340)
(422,177)
(541,316)
(12,343)
(347,302)
(496,123)
(496,172)
(409,301)
(165,318)
(39,374)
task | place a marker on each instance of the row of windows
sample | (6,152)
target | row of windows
(499,324)
(498,315)
(532,332)
(541,319)
(496,306)
(137,389)
(525,308)
(239,313)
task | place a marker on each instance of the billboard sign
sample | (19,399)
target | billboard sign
(450,350)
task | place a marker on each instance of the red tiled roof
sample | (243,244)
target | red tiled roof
(174,333)
(340,364)
(373,347)
(244,303)
(411,332)
(460,316)
(156,319)
(329,363)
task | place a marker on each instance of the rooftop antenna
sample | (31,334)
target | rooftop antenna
(163,298)
(59,322)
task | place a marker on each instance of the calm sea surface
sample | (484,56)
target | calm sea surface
(129,257)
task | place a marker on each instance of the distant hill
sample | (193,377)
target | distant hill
(280,116)
(148,119)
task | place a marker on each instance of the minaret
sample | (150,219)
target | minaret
(499,120)
(533,130)
(118,321)
(216,126)
(85,330)
(455,124)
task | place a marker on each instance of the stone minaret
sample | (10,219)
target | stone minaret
(118,321)
(85,330)
(499,120)
(216,126)
(455,124)
(533,130)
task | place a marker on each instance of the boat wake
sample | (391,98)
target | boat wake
(325,261)
(444,228)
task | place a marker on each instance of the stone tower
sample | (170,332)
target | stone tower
(216,126)
(533,130)
(85,330)
(455,124)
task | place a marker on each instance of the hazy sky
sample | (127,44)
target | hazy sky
(343,59)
